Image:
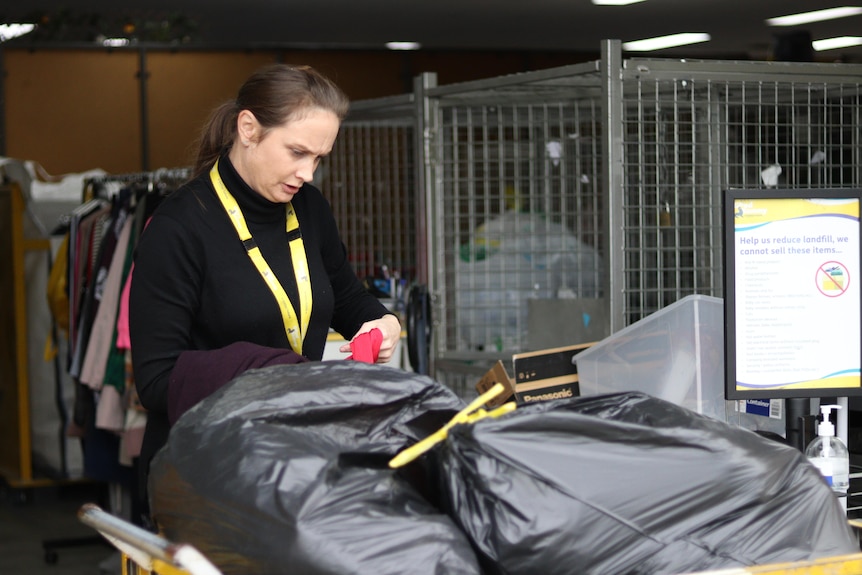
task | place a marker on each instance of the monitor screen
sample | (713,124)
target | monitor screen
(792,293)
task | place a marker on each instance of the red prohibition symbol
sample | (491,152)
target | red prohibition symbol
(832,279)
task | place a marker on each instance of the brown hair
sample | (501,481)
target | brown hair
(274,94)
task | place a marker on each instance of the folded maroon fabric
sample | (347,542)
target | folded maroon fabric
(366,346)
(198,374)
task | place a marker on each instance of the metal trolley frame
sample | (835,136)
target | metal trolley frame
(144,552)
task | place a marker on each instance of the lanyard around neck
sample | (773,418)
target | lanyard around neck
(294,329)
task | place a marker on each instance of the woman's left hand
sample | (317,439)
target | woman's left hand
(390,329)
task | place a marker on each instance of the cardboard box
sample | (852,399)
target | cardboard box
(497,374)
(539,376)
(547,374)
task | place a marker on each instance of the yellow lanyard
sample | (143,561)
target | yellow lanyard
(295,332)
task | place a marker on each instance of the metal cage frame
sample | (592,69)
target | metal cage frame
(628,156)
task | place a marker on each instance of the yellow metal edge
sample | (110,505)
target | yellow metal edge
(837,565)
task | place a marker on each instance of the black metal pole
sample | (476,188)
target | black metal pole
(143,75)
(2,102)
(797,409)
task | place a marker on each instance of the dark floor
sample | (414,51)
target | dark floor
(28,517)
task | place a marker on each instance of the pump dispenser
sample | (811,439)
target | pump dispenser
(829,454)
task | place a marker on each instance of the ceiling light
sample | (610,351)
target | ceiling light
(834,43)
(662,42)
(816,16)
(115,42)
(616,2)
(9,31)
(403,45)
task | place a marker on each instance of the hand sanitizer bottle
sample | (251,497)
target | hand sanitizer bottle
(829,454)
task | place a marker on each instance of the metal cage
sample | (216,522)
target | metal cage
(691,130)
(532,197)
(369,180)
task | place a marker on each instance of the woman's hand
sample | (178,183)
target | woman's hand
(390,329)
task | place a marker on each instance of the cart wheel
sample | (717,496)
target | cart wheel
(51,557)
(418,314)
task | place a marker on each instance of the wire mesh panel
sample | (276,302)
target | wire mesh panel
(521,217)
(527,176)
(694,129)
(517,225)
(370,184)
(671,202)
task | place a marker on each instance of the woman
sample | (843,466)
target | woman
(243,266)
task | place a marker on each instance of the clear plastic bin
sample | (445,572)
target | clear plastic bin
(675,354)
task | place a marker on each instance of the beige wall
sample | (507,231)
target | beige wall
(78,109)
(182,89)
(72,111)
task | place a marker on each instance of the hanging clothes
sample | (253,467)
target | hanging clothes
(101,238)
(106,295)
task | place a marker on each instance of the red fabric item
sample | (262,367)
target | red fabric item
(366,346)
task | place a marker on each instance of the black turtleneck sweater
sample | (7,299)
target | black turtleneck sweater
(194,288)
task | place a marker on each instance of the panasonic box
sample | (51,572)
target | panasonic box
(546,374)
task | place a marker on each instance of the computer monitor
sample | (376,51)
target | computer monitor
(793,303)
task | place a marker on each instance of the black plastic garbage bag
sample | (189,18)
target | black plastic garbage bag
(284,470)
(627,483)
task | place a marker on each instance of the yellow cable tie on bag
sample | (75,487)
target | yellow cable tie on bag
(466,415)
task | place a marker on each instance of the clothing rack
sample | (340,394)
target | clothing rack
(104,192)
(170,176)
(16,467)
(161,174)
(151,178)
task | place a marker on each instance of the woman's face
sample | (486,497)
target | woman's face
(277,163)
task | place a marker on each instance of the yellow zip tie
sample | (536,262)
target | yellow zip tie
(466,415)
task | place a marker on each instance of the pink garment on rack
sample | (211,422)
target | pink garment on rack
(123,339)
(99,344)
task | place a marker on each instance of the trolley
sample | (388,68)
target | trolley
(144,552)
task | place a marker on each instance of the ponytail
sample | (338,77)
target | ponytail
(216,136)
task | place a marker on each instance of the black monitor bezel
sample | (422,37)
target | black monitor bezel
(729,241)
